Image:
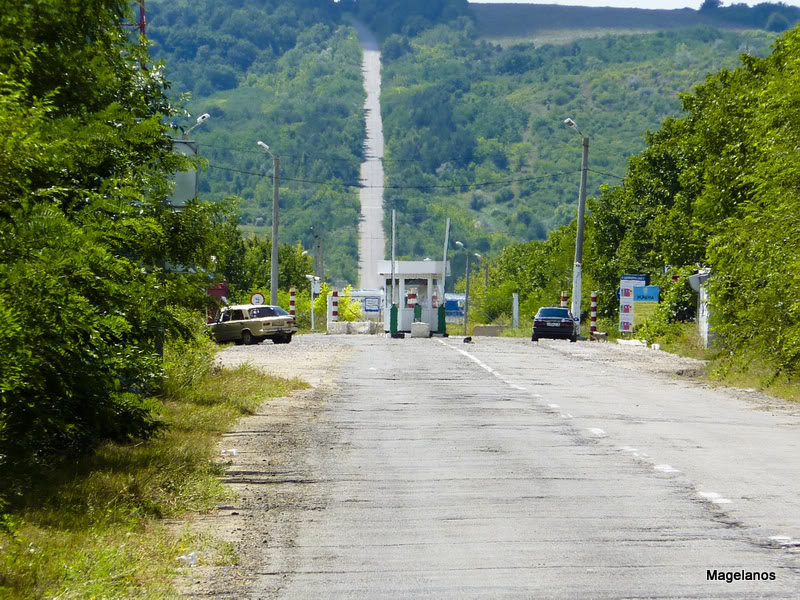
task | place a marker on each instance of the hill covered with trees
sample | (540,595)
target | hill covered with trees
(477,131)
(715,188)
(473,129)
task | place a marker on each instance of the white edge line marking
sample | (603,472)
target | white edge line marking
(715,498)
(666,469)
(486,367)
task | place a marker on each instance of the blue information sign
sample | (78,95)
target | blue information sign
(646,293)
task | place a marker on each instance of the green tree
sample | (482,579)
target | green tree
(85,231)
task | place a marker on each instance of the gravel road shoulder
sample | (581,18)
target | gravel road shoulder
(274,458)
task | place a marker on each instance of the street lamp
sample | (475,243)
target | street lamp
(200,120)
(576,270)
(273,289)
(466,289)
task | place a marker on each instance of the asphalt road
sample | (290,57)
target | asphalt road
(552,470)
(370,229)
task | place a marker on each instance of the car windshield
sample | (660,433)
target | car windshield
(280,312)
(261,311)
(561,313)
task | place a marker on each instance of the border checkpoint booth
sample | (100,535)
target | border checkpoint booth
(418,282)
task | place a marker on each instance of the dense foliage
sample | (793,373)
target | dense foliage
(85,232)
(717,188)
(409,17)
(287,73)
(476,132)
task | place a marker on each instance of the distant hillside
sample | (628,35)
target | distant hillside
(508,24)
(476,132)
(473,130)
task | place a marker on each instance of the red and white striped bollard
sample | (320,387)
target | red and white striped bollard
(292,293)
(593,328)
(335,309)
(563,299)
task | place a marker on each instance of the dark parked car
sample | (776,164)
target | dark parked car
(252,323)
(554,322)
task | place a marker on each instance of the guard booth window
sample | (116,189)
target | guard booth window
(422,290)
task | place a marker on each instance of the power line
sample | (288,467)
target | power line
(282,155)
(367,158)
(606,174)
(407,187)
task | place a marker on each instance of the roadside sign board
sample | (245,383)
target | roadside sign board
(257,298)
(627,290)
(371,304)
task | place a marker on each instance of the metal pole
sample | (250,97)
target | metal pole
(394,222)
(515,310)
(312,305)
(577,267)
(466,296)
(486,275)
(444,257)
(273,292)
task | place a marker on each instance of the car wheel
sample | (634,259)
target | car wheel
(534,338)
(573,339)
(247,338)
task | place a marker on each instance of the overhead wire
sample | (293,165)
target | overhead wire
(407,187)
(606,174)
(367,158)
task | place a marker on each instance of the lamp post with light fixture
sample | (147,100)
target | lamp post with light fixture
(466,288)
(273,288)
(200,120)
(577,267)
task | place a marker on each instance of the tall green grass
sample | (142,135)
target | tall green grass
(94,527)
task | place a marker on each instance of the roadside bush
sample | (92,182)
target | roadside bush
(187,359)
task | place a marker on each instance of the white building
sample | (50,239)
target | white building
(417,282)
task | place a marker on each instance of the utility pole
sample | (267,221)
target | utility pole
(444,257)
(578,270)
(466,298)
(577,267)
(276,167)
(273,290)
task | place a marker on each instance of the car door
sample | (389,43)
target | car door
(222,328)
(238,322)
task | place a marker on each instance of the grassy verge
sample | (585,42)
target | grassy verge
(683,339)
(95,527)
